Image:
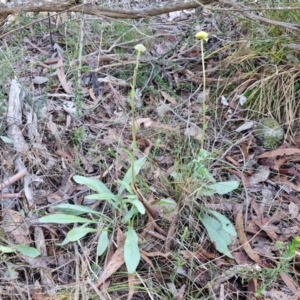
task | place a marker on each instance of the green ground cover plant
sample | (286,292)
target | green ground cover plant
(287,253)
(127,207)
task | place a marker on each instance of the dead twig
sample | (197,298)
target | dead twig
(13,179)
(11,195)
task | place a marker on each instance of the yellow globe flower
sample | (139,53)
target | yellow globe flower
(140,48)
(202,35)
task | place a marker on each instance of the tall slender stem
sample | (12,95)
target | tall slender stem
(204,94)
(140,49)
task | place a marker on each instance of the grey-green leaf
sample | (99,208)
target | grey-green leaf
(219,237)
(165,201)
(27,251)
(64,242)
(206,190)
(64,219)
(124,185)
(133,211)
(106,197)
(133,199)
(77,233)
(131,250)
(103,242)
(128,176)
(92,183)
(218,227)
(224,187)
(102,196)
(75,210)
(225,222)
(6,140)
(5,249)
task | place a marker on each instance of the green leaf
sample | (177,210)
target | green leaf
(104,197)
(103,192)
(133,199)
(224,187)
(225,222)
(204,174)
(64,242)
(77,233)
(103,242)
(292,248)
(27,251)
(177,176)
(204,155)
(75,210)
(199,166)
(94,184)
(133,211)
(165,201)
(64,219)
(131,250)
(124,185)
(11,271)
(131,93)
(6,139)
(206,190)
(218,227)
(5,249)
(137,165)
(220,237)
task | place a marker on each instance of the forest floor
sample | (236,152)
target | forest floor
(195,212)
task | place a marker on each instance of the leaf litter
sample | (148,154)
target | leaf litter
(164,120)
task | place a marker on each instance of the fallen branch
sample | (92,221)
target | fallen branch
(10,8)
(91,9)
(17,6)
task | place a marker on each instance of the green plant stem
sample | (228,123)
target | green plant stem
(204,94)
(132,104)
(289,254)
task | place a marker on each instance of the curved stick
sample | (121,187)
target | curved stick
(13,179)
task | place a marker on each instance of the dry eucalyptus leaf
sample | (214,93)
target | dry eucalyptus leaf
(293,210)
(69,107)
(168,97)
(63,80)
(40,79)
(15,227)
(194,132)
(201,95)
(116,261)
(245,126)
(224,101)
(261,175)
(239,225)
(144,122)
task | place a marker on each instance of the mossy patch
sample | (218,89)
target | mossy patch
(269,132)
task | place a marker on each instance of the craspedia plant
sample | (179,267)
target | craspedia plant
(203,36)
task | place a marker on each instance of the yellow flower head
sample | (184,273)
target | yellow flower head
(202,35)
(140,48)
